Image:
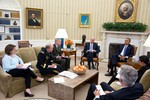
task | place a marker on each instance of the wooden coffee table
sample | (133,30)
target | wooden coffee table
(66,90)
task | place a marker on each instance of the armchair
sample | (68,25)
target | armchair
(23,44)
(113,47)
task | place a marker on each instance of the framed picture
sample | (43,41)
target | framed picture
(34,18)
(126,10)
(84,20)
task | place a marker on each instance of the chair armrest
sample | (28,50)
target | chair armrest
(5,79)
(30,45)
(82,53)
(130,59)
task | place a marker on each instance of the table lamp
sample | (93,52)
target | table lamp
(62,34)
(147,44)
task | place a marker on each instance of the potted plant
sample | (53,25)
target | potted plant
(120,26)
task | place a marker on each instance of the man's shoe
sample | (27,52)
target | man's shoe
(89,66)
(93,66)
(109,74)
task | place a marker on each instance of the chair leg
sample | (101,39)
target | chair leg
(97,65)
(80,62)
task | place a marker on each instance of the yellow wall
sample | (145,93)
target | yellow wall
(65,14)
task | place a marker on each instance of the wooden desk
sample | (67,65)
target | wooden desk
(70,52)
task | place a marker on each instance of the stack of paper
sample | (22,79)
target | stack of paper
(68,74)
(100,89)
(59,80)
(118,75)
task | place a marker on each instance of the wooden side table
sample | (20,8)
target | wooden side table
(70,52)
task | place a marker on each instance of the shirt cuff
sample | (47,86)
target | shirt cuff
(96,97)
(127,57)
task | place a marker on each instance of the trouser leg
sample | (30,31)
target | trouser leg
(90,95)
(67,63)
(27,74)
(106,87)
(113,78)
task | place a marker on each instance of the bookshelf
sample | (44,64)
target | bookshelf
(10,25)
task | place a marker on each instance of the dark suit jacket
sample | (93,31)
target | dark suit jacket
(129,93)
(129,51)
(141,71)
(95,47)
(32,23)
(57,51)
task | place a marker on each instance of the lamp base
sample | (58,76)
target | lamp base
(62,43)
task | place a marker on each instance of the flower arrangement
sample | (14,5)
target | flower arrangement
(68,43)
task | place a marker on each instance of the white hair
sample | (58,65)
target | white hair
(56,39)
(48,45)
(128,75)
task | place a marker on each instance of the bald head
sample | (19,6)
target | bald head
(49,47)
(92,40)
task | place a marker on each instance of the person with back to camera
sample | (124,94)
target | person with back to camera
(13,65)
(129,91)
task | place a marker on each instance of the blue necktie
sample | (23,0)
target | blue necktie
(125,50)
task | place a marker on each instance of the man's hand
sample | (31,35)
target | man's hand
(107,92)
(97,92)
(58,57)
(93,50)
(122,57)
(87,51)
(51,66)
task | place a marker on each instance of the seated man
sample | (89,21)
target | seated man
(144,62)
(129,91)
(90,50)
(124,52)
(61,59)
(45,61)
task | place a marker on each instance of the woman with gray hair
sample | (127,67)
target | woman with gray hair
(129,91)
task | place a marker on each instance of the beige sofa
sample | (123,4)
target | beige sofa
(9,85)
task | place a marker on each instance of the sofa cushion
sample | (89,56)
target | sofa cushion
(2,53)
(33,63)
(145,80)
(37,50)
(145,96)
(27,54)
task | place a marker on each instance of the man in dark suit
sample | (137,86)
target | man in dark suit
(61,59)
(124,52)
(45,62)
(90,51)
(33,21)
(129,91)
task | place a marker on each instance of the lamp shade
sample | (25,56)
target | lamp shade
(147,42)
(61,33)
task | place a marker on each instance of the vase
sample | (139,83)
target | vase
(68,47)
